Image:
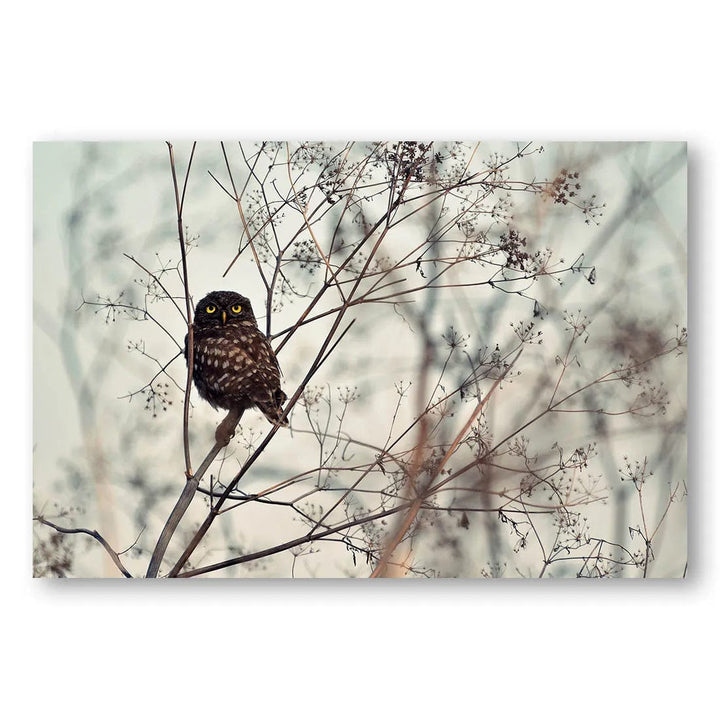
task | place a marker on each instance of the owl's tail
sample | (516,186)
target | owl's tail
(273,409)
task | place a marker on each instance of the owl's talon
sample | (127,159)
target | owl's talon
(222,436)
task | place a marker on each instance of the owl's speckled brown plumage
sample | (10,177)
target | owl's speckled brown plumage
(234,366)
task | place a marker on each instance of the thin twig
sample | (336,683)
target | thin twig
(188,307)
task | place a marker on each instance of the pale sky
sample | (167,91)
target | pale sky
(122,199)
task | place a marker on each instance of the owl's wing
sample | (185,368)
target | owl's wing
(273,357)
(267,395)
(266,375)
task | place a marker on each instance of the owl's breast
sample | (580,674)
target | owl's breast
(224,372)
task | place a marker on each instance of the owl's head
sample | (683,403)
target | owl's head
(223,307)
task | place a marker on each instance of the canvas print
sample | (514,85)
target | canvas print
(362,359)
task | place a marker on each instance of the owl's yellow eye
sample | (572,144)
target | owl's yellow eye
(236,309)
(210,309)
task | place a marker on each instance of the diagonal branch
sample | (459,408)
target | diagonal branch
(411,516)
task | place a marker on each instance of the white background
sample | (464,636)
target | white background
(85,71)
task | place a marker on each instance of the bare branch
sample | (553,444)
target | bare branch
(93,534)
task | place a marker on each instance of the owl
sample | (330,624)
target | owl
(234,366)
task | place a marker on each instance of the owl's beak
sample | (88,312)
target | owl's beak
(224,317)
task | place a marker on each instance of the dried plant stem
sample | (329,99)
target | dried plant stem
(390,548)
(93,534)
(179,202)
(225,429)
